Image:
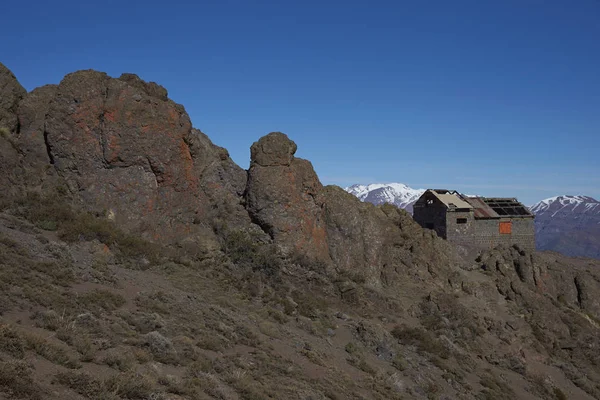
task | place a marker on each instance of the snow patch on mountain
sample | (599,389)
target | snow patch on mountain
(398,194)
(569,225)
(567,203)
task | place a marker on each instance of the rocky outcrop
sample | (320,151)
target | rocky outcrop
(120,145)
(381,243)
(11,93)
(529,277)
(378,245)
(123,149)
(11,171)
(283,197)
(32,113)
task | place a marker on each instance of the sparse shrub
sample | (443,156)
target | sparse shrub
(119,359)
(360,363)
(309,304)
(50,351)
(199,367)
(351,348)
(130,386)
(11,342)
(185,349)
(46,212)
(84,346)
(100,300)
(559,394)
(175,385)
(247,252)
(80,382)
(496,388)
(51,212)
(17,382)
(314,357)
(269,329)
(5,134)
(422,339)
(246,336)
(47,319)
(399,363)
(210,341)
(161,347)
(278,316)
(125,385)
(143,322)
(158,302)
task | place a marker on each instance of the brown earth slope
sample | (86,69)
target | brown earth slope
(137,261)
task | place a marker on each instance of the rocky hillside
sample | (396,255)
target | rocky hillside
(137,261)
(569,225)
(397,194)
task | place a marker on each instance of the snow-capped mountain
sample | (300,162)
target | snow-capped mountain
(569,225)
(398,194)
(568,204)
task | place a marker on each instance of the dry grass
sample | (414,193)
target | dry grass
(495,388)
(125,385)
(50,212)
(16,343)
(52,352)
(17,381)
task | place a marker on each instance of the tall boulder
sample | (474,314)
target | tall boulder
(283,197)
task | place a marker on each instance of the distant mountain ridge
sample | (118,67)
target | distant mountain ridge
(569,225)
(397,194)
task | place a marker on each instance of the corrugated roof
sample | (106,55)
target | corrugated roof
(451,199)
(507,207)
(497,207)
(482,210)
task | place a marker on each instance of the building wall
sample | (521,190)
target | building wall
(485,233)
(431,216)
(460,232)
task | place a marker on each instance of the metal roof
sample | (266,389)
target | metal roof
(494,207)
(482,210)
(451,199)
(483,207)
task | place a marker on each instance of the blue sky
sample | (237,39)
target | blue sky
(499,98)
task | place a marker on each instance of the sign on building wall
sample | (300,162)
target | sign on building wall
(506,227)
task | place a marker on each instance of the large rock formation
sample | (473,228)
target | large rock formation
(12,92)
(123,149)
(283,197)
(121,146)
(378,245)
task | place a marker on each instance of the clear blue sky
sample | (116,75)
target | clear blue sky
(498,97)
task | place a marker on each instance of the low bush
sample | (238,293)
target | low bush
(125,385)
(17,382)
(422,339)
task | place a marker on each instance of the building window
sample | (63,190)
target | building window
(506,228)
(429,202)
(429,225)
(461,220)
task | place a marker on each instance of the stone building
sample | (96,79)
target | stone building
(480,222)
